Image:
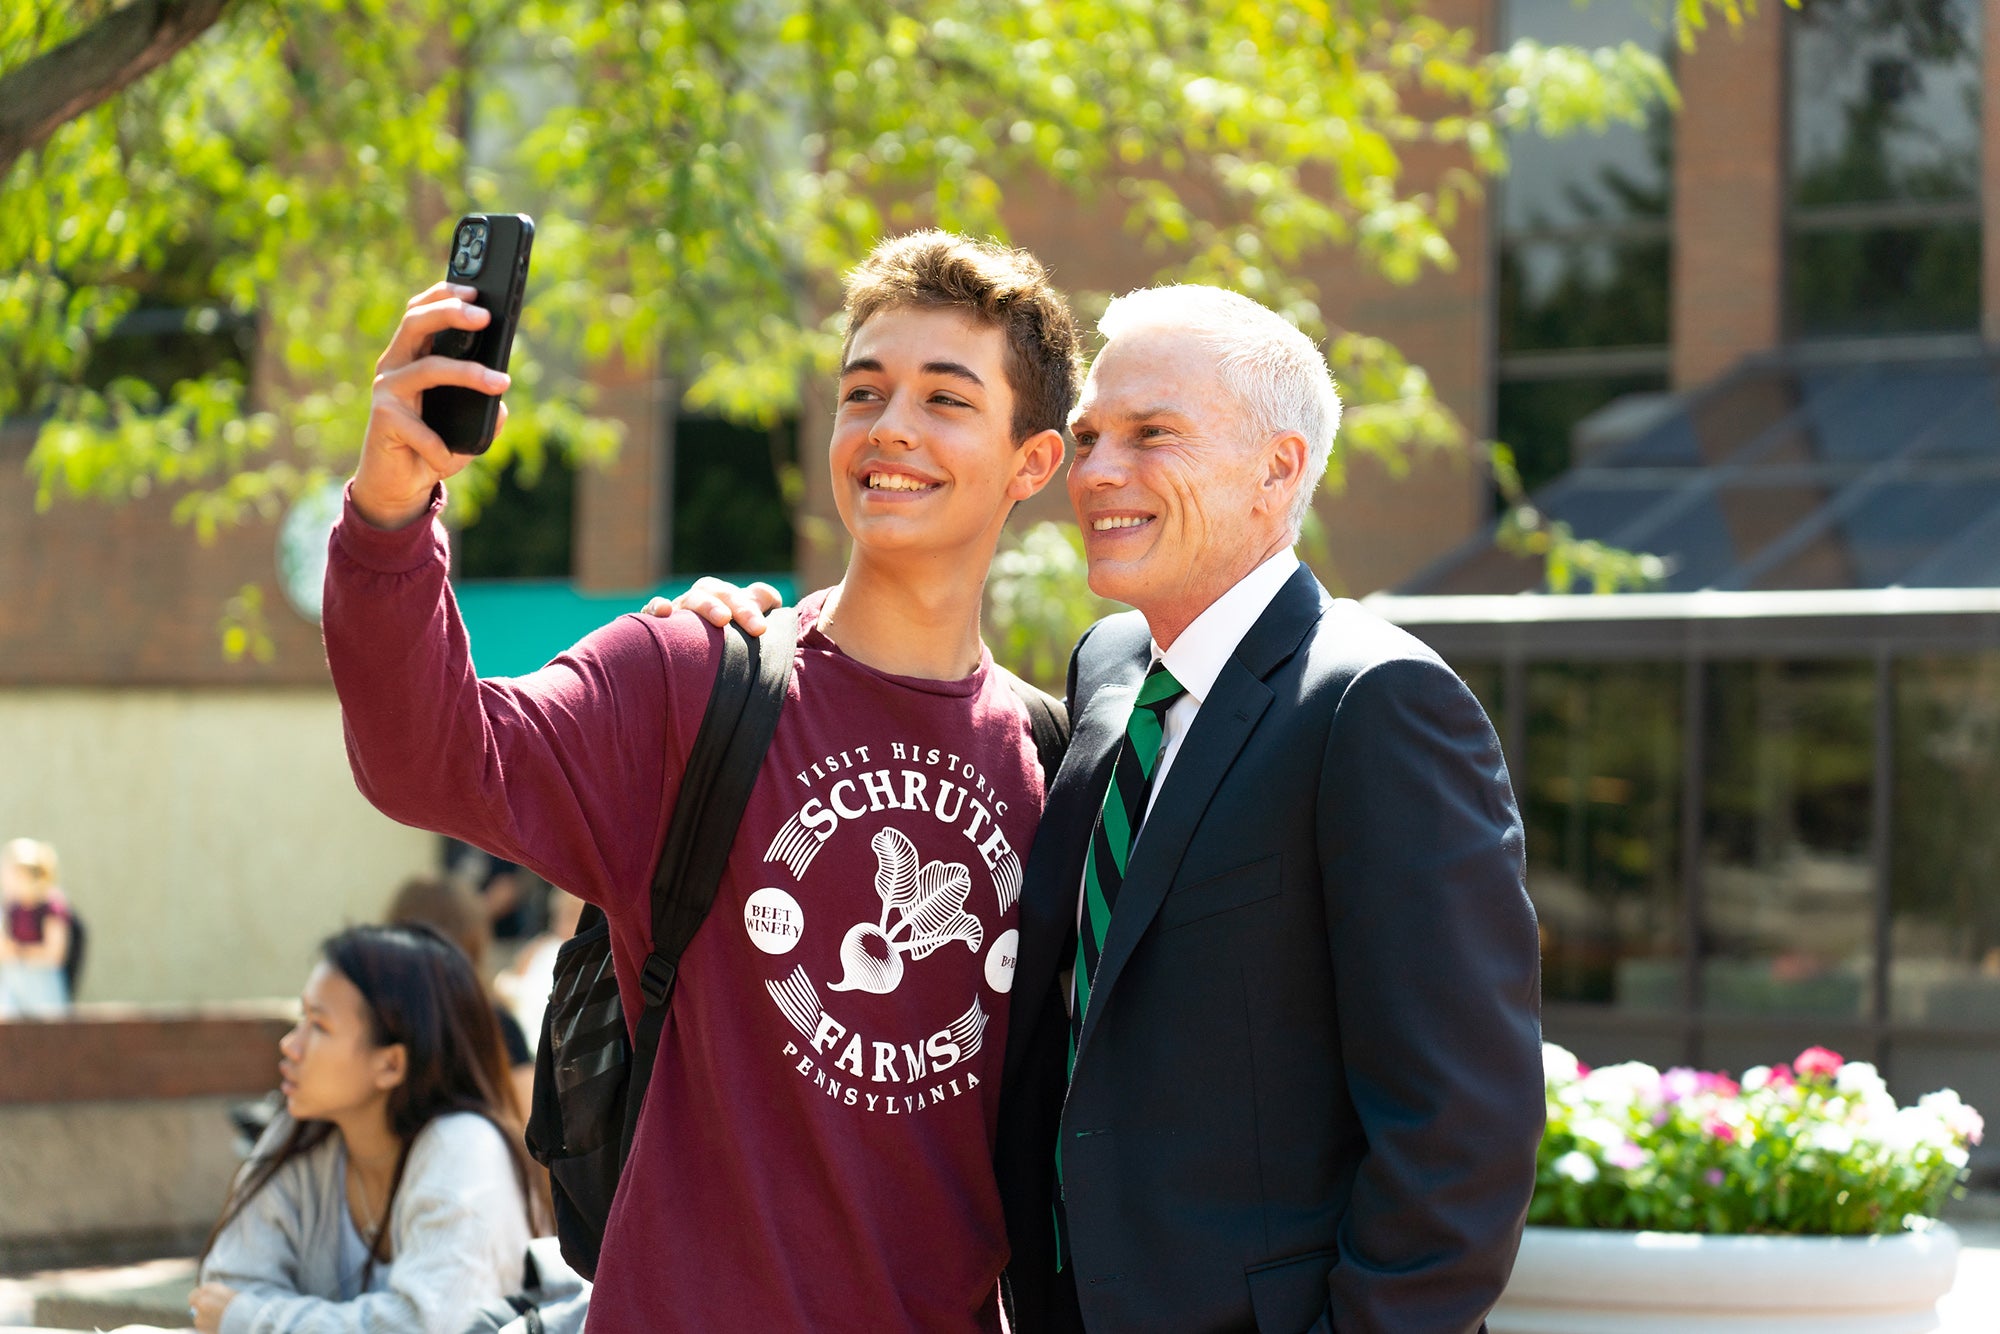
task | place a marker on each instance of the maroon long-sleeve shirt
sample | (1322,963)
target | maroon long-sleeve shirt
(815,1152)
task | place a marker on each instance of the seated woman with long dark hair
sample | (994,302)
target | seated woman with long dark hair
(393,1194)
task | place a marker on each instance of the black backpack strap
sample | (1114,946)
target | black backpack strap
(722,765)
(1047,719)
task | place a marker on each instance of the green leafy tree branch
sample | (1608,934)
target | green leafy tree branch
(702,171)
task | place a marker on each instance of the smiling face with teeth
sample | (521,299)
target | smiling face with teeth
(922,456)
(1177,496)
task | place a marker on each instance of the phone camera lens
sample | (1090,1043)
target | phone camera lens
(468,249)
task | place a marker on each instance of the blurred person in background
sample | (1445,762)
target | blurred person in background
(526,984)
(35,944)
(504,888)
(454,909)
(393,1192)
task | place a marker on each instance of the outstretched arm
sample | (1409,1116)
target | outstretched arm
(1438,974)
(564,770)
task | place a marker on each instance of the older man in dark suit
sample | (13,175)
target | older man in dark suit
(1273,1060)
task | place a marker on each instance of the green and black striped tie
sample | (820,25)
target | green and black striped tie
(1104,866)
(1117,829)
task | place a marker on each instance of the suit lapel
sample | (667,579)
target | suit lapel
(1054,876)
(1221,726)
(1210,747)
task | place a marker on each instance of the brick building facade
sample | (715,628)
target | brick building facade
(120,601)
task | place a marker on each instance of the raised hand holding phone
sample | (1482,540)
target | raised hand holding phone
(489,254)
(438,385)
(402,458)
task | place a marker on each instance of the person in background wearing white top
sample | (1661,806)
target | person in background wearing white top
(525,984)
(393,1194)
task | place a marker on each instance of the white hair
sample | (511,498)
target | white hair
(1275,373)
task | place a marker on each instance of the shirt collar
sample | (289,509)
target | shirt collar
(1198,655)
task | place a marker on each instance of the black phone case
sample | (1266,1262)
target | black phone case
(465,419)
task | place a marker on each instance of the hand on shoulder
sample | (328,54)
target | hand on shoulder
(718,602)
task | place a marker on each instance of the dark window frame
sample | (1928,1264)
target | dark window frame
(1584,364)
(1502,636)
(1862,219)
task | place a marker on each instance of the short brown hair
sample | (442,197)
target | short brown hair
(998,286)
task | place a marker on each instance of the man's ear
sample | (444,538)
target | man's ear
(1284,471)
(1035,462)
(392,1066)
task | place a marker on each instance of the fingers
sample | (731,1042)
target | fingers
(440,288)
(207,1305)
(719,605)
(402,425)
(719,602)
(710,608)
(746,609)
(407,383)
(437,308)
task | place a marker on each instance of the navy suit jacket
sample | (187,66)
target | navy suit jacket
(1309,1091)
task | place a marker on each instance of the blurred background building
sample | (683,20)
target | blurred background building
(1755,338)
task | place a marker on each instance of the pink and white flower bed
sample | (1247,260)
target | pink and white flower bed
(1817,1148)
(1683,1202)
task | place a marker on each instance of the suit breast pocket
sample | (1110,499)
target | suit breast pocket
(1233,889)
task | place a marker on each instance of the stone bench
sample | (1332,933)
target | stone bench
(116,1124)
(153,1295)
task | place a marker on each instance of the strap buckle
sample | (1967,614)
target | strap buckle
(656,980)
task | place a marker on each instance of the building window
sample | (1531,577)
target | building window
(1601,798)
(730,511)
(1584,257)
(525,529)
(1787,861)
(1884,234)
(1945,854)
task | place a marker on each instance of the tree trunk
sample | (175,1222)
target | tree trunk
(59,85)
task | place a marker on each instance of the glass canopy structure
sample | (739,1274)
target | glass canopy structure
(1788,474)
(1756,821)
(1763,806)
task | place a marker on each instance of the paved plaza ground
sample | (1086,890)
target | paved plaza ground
(152,1291)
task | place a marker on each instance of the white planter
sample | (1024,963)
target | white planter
(1580,1281)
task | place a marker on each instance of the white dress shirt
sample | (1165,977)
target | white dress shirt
(1202,649)
(1196,659)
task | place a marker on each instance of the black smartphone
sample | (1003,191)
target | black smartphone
(489,252)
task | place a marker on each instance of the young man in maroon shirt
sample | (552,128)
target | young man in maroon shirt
(815,1151)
